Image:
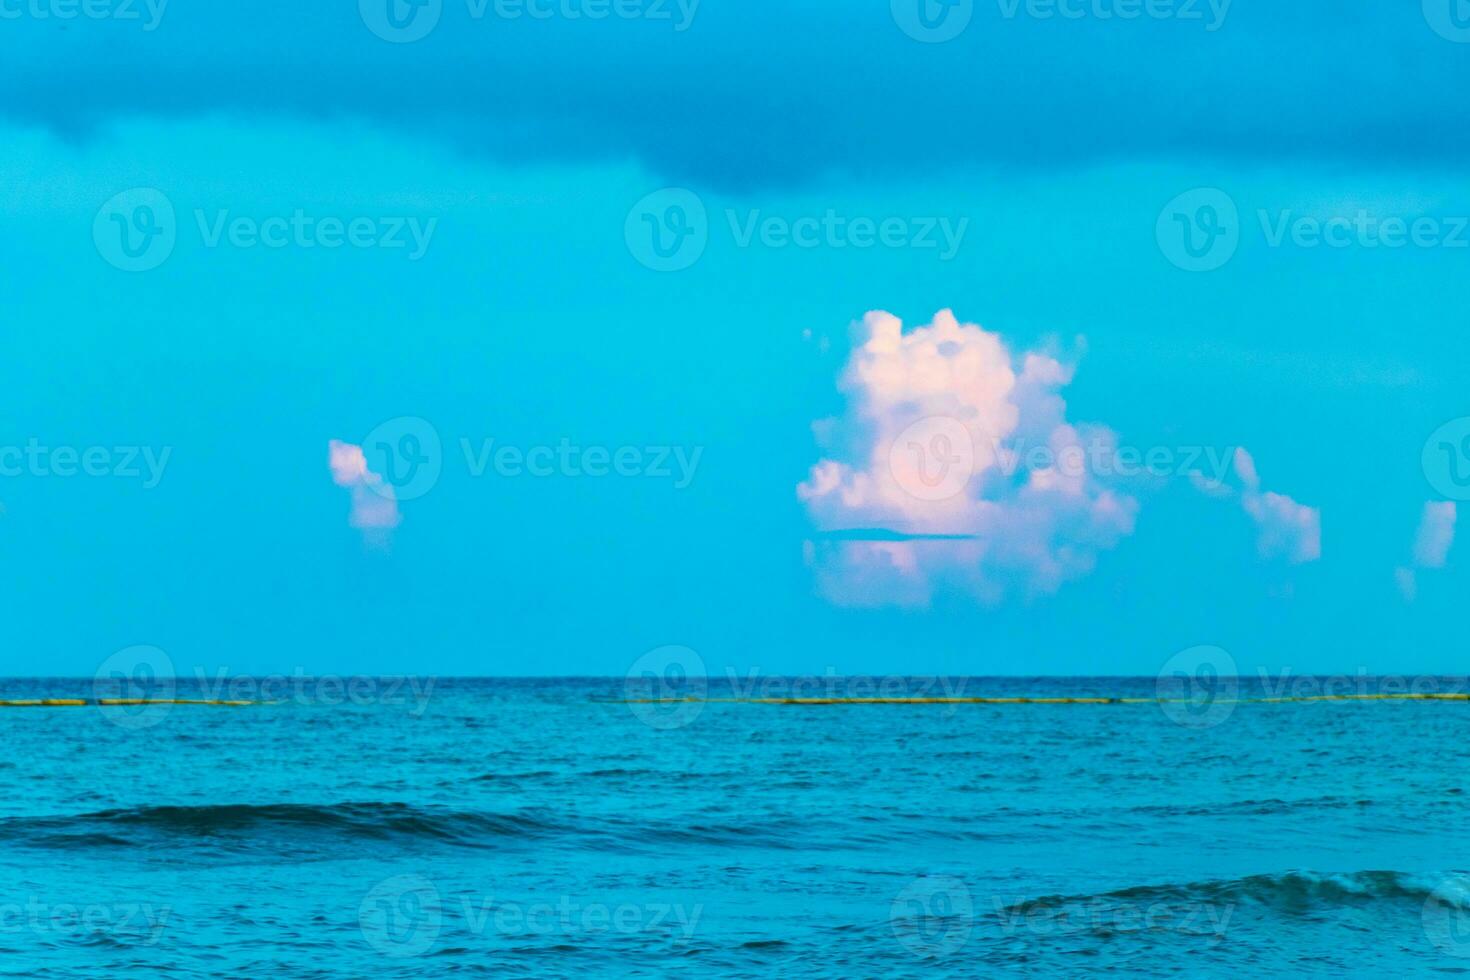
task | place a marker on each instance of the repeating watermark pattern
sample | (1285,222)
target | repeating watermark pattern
(147,14)
(1210,14)
(1450,19)
(1200,230)
(932,21)
(1104,458)
(137,230)
(35,459)
(142,923)
(569,459)
(408,453)
(1102,915)
(406,21)
(147,674)
(403,916)
(1446,916)
(1198,687)
(933,916)
(933,459)
(937,916)
(401,21)
(1446,459)
(669,230)
(831,686)
(326,690)
(135,673)
(937,21)
(665,688)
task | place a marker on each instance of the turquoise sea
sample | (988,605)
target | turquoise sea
(440,827)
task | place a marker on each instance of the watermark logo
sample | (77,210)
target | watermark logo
(933,916)
(1198,687)
(1199,230)
(1446,459)
(933,458)
(401,916)
(932,21)
(667,230)
(1450,19)
(400,21)
(665,688)
(1446,916)
(136,673)
(407,453)
(136,230)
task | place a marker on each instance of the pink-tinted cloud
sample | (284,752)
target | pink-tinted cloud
(1436,534)
(924,472)
(374,507)
(1432,543)
(1285,528)
(931,479)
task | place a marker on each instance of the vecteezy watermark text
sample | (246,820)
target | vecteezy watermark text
(1211,13)
(569,459)
(406,21)
(148,13)
(142,920)
(1201,229)
(318,689)
(936,916)
(403,916)
(408,453)
(669,229)
(122,462)
(137,230)
(936,21)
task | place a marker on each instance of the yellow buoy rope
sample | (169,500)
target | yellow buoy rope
(116,702)
(1311,697)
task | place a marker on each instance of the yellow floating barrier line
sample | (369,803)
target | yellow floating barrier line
(1411,696)
(117,702)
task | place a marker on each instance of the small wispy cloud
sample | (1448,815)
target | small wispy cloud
(1431,545)
(1286,529)
(374,507)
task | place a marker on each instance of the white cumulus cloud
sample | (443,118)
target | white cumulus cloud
(923,485)
(955,468)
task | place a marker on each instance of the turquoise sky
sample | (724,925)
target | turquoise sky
(1029,170)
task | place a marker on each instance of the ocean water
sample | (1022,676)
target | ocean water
(543,828)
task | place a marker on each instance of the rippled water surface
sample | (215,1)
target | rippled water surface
(492,828)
